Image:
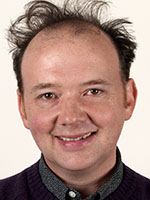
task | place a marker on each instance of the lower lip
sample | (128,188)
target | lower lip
(76,144)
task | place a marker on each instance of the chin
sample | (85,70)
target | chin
(73,164)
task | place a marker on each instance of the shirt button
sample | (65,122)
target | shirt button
(72,194)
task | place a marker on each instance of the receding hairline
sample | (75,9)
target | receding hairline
(69,29)
(74,28)
(68,32)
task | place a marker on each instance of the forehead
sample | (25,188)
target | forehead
(68,46)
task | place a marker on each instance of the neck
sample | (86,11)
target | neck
(89,180)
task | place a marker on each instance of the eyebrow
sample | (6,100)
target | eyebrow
(95,82)
(41,86)
(44,86)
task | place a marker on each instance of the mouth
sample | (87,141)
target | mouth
(83,137)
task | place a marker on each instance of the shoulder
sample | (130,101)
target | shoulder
(133,186)
(16,186)
(139,178)
(141,183)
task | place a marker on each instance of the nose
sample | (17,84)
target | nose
(71,112)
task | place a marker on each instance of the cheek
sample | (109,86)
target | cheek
(102,115)
(109,118)
(39,123)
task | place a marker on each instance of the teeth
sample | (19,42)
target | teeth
(76,139)
(87,135)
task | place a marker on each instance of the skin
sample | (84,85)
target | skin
(72,86)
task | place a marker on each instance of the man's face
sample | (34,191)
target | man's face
(74,101)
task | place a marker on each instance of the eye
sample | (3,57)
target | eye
(48,96)
(94,92)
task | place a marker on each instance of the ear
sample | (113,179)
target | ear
(130,100)
(22,109)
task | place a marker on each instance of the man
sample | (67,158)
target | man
(74,94)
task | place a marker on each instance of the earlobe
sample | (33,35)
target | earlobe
(22,109)
(130,100)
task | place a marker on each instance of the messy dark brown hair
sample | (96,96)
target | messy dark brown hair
(43,14)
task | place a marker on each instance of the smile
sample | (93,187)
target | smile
(77,138)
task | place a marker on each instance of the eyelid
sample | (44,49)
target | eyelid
(89,90)
(47,93)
